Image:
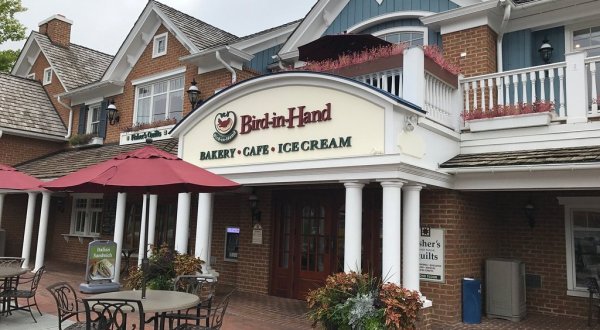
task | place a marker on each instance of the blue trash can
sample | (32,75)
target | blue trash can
(471,301)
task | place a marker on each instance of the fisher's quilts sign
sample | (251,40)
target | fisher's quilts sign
(288,123)
(431,252)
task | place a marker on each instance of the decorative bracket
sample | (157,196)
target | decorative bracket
(410,121)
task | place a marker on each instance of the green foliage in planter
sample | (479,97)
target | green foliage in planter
(361,301)
(81,139)
(164,266)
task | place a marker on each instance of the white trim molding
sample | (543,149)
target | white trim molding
(47,79)
(421,29)
(158,76)
(156,42)
(386,18)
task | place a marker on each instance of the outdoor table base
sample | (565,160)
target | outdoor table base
(158,302)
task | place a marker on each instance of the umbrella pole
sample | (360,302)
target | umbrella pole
(145,245)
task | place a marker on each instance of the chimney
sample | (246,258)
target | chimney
(58,29)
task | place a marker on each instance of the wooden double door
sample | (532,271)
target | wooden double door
(308,240)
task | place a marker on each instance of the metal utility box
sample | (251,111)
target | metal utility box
(505,289)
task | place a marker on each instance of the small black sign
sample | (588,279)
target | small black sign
(426,231)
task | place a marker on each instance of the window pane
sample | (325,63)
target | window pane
(143,113)
(160,107)
(587,255)
(80,222)
(95,222)
(176,105)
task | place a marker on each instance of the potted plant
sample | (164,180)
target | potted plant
(164,266)
(361,301)
(79,140)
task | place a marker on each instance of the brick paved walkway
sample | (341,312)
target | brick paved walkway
(257,312)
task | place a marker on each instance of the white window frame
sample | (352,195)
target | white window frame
(155,44)
(47,76)
(88,211)
(420,29)
(31,76)
(89,122)
(572,204)
(146,82)
(569,35)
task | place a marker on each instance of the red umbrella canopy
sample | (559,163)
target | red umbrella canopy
(11,179)
(146,170)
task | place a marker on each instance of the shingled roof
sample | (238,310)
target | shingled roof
(202,35)
(576,155)
(75,66)
(25,106)
(71,160)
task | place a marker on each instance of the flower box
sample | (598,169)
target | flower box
(507,122)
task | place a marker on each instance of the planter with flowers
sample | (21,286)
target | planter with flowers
(509,116)
(361,301)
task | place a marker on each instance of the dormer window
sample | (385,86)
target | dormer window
(159,45)
(47,76)
(411,36)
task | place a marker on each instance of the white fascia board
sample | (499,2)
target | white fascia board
(22,66)
(206,60)
(464,3)
(314,24)
(469,23)
(293,55)
(265,40)
(387,17)
(437,21)
(158,75)
(91,87)
(537,17)
(39,136)
(183,39)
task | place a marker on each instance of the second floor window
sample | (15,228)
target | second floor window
(588,39)
(160,100)
(411,38)
(93,119)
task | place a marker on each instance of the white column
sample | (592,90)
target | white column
(390,263)
(142,231)
(577,97)
(183,222)
(119,230)
(353,227)
(28,228)
(410,236)
(1,207)
(203,230)
(42,231)
(152,220)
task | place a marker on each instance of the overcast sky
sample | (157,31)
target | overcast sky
(104,24)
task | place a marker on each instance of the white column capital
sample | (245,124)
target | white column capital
(392,183)
(413,187)
(353,184)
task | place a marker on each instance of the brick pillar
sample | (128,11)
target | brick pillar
(478,43)
(58,29)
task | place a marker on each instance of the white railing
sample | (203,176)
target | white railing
(592,65)
(388,80)
(522,86)
(440,101)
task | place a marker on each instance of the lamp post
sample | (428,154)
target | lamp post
(194,95)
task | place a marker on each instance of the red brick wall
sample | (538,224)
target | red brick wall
(53,88)
(478,43)
(17,149)
(469,220)
(210,82)
(58,31)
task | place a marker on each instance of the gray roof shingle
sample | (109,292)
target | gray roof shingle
(71,160)
(576,155)
(77,65)
(201,34)
(25,106)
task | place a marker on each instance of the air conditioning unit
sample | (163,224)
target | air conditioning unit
(505,289)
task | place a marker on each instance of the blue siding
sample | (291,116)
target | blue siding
(263,58)
(357,11)
(520,48)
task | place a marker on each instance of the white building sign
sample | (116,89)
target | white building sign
(431,252)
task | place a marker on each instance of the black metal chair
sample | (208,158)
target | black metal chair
(594,290)
(113,314)
(9,283)
(215,317)
(30,284)
(202,286)
(67,305)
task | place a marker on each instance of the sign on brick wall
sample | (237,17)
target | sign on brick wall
(431,252)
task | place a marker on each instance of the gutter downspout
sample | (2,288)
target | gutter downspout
(70,126)
(507,8)
(227,66)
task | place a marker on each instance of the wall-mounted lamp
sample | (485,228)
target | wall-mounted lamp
(529,210)
(194,95)
(113,113)
(253,199)
(546,51)
(59,202)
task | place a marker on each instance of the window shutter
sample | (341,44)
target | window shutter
(82,119)
(103,116)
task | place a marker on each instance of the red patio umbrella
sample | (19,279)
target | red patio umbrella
(147,170)
(11,179)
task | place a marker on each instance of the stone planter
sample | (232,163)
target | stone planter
(507,122)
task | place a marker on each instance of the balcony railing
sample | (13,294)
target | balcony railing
(592,65)
(388,80)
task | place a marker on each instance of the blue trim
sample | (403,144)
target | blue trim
(250,80)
